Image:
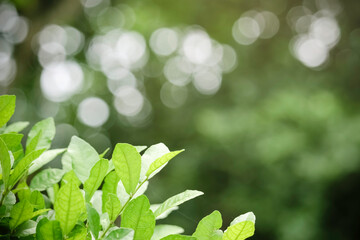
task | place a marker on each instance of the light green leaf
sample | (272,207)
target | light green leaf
(96,201)
(5,162)
(113,206)
(38,212)
(37,200)
(93,219)
(124,196)
(41,135)
(121,234)
(97,175)
(52,192)
(23,166)
(109,186)
(161,231)
(177,200)
(241,227)
(138,216)
(165,214)
(7,108)
(208,226)
(49,230)
(150,155)
(46,179)
(70,177)
(21,212)
(159,163)
(81,157)
(16,127)
(104,220)
(78,233)
(178,237)
(104,153)
(127,162)
(45,158)
(69,205)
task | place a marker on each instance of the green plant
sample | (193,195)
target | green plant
(67,203)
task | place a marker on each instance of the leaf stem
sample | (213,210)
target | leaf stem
(123,207)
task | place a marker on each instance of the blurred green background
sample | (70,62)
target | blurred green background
(263,95)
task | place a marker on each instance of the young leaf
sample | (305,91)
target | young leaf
(69,205)
(177,200)
(159,163)
(46,179)
(121,233)
(23,191)
(45,158)
(5,162)
(70,177)
(37,200)
(208,226)
(178,237)
(104,153)
(138,216)
(21,212)
(109,186)
(49,230)
(161,231)
(93,219)
(41,135)
(81,157)
(23,166)
(97,175)
(127,162)
(113,206)
(140,148)
(16,127)
(241,227)
(7,108)
(150,155)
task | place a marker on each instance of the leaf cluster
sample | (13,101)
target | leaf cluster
(90,195)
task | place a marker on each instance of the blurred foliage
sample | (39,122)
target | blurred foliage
(278,138)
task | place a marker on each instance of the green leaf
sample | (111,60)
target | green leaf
(161,231)
(70,177)
(121,233)
(7,108)
(140,148)
(208,226)
(16,127)
(127,162)
(5,162)
(93,219)
(23,166)
(109,186)
(52,192)
(104,153)
(25,229)
(177,200)
(49,230)
(13,143)
(46,179)
(78,233)
(37,200)
(69,205)
(165,214)
(97,174)
(41,135)
(150,155)
(45,158)
(81,157)
(23,191)
(21,212)
(113,206)
(159,163)
(241,227)
(178,237)
(138,216)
